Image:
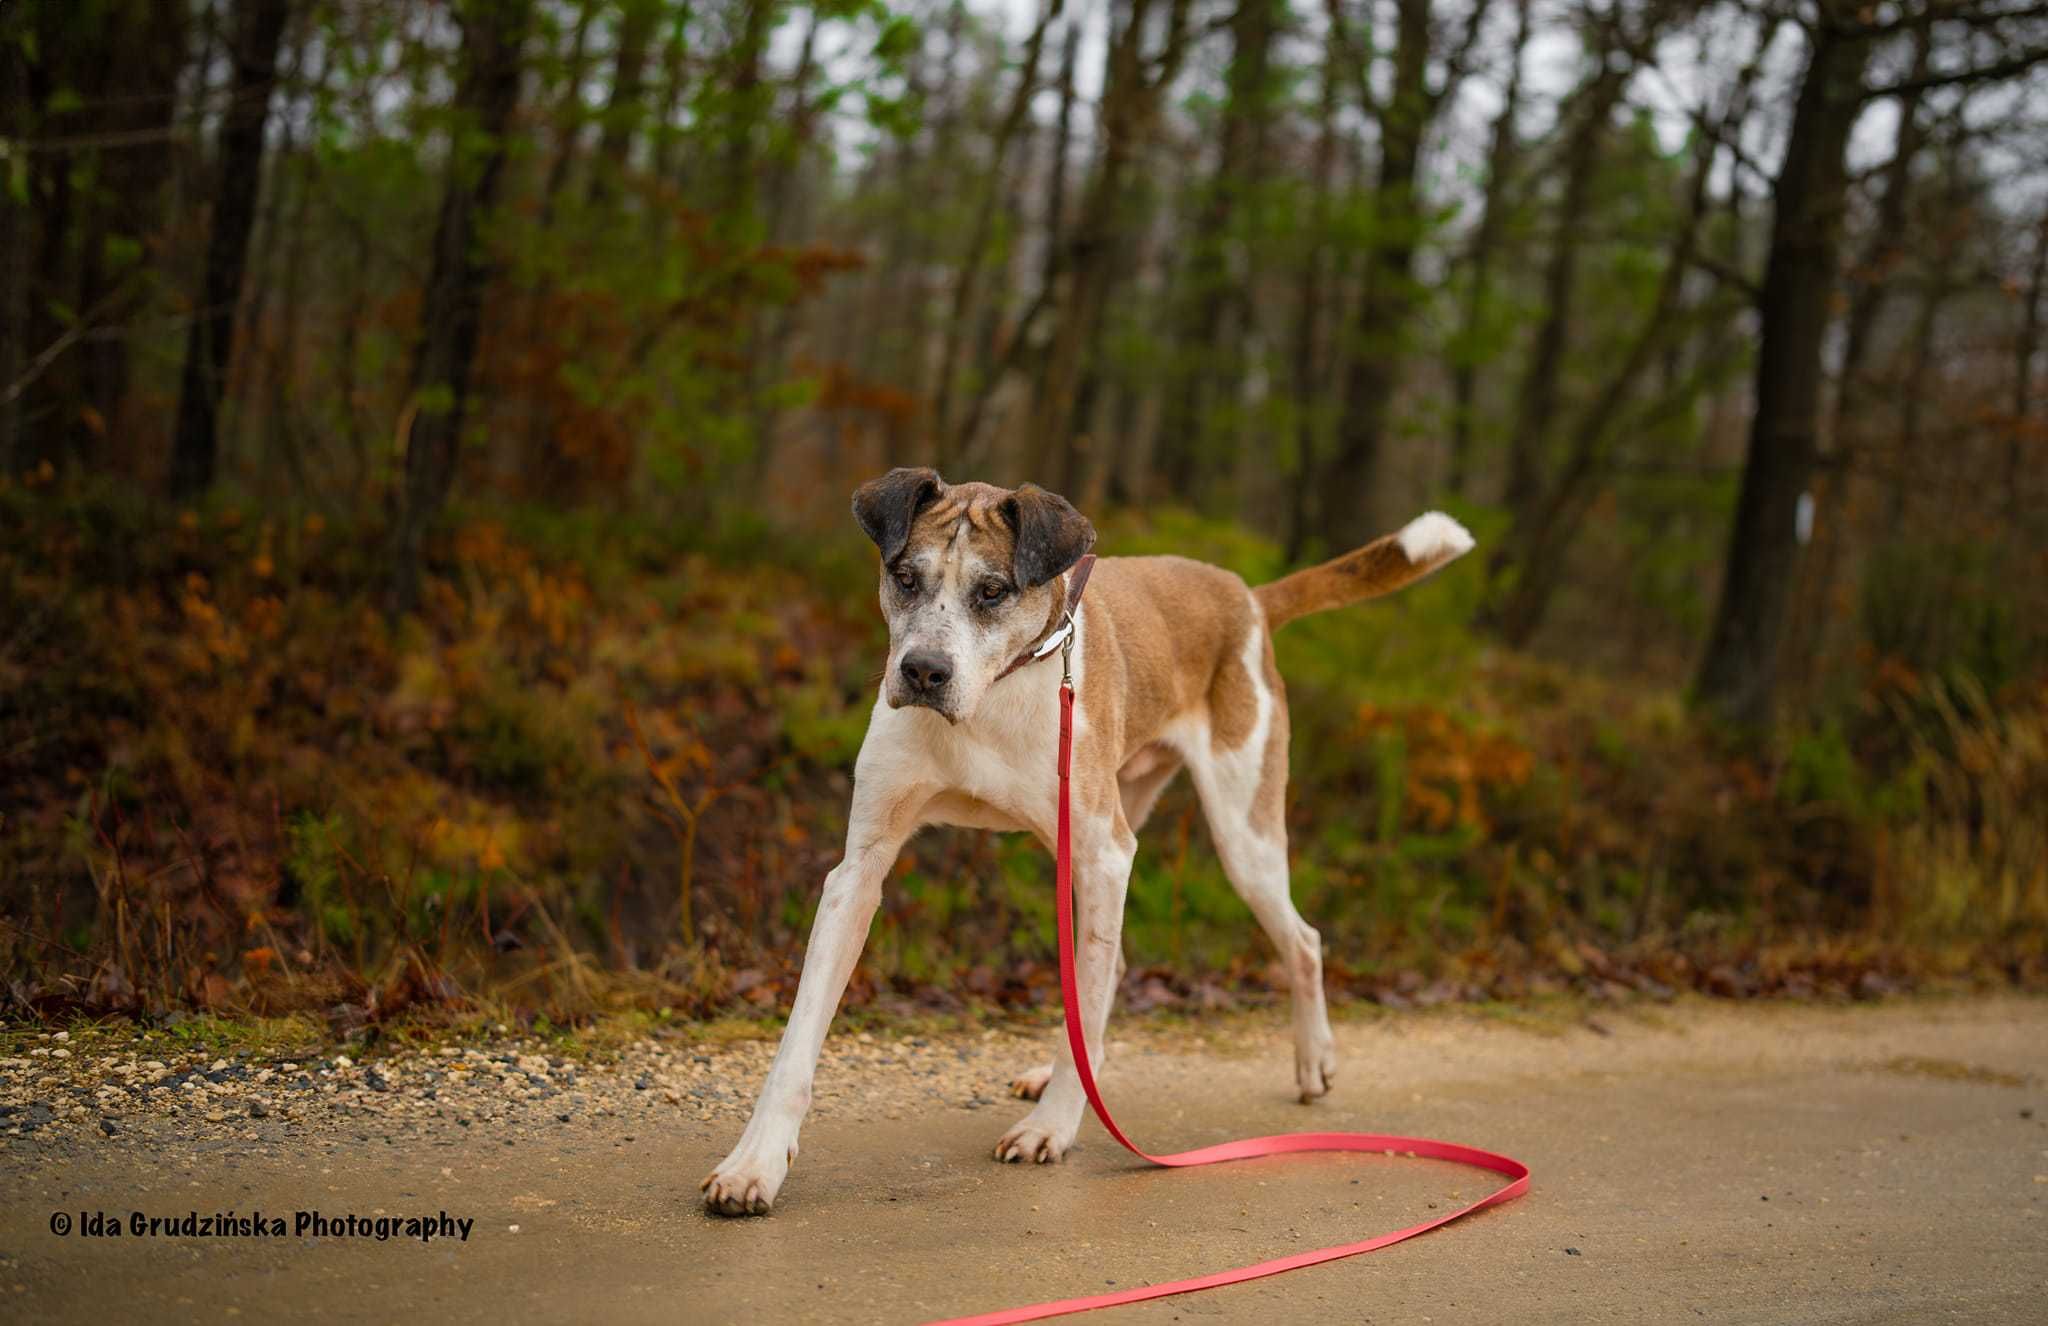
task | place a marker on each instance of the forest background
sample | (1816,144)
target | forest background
(426,583)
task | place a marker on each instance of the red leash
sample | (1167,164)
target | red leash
(1070,995)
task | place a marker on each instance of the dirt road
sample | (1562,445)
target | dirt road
(1725,1164)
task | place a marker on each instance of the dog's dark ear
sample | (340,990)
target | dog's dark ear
(1051,535)
(887,507)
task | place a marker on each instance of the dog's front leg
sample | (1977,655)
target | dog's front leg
(1102,874)
(745,1182)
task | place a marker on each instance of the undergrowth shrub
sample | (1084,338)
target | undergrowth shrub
(608,763)
(1976,861)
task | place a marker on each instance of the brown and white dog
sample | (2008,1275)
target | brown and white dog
(1173,668)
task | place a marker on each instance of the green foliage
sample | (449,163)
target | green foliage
(1819,767)
(821,726)
(313,862)
(514,735)
(1954,608)
(472,776)
(641,665)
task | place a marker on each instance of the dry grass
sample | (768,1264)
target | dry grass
(1978,861)
(596,781)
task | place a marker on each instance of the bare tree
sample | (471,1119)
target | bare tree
(1739,672)
(622,112)
(258,29)
(1133,87)
(967,284)
(1544,529)
(1217,305)
(1589,112)
(487,91)
(2027,423)
(1311,300)
(14,237)
(1352,489)
(1486,240)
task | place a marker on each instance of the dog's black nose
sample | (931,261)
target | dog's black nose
(926,670)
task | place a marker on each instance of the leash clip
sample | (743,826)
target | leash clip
(1062,640)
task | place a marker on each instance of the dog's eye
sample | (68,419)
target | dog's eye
(993,591)
(906,580)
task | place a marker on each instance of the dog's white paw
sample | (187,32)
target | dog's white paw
(746,1182)
(1030,1084)
(1031,1139)
(1315,1066)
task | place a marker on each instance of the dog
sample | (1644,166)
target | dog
(1173,667)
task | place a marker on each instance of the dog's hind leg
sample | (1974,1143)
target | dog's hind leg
(1244,790)
(1258,870)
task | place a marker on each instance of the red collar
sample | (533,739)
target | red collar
(1060,636)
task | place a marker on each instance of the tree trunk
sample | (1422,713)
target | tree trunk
(1019,342)
(285,438)
(259,26)
(1910,469)
(1311,297)
(1351,498)
(2024,423)
(15,226)
(1217,300)
(776,221)
(622,112)
(142,67)
(1738,674)
(1486,237)
(966,286)
(775,328)
(675,74)
(1540,541)
(749,108)
(98,87)
(569,113)
(486,94)
(1130,112)
(1882,251)
(1536,407)
(1870,273)
(1056,167)
(734,205)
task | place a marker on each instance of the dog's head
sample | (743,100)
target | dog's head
(969,580)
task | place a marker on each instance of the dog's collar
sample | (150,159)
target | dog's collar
(1061,634)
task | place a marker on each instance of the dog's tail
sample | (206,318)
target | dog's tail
(1388,563)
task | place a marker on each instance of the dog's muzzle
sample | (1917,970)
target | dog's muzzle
(924,678)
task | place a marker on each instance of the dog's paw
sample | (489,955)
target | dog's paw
(1315,1066)
(1031,1140)
(1030,1084)
(745,1184)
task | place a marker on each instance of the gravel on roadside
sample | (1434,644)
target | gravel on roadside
(134,1090)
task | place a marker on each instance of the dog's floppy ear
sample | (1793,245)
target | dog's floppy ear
(1051,535)
(887,507)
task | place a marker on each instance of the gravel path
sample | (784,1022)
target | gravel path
(1748,1163)
(128,1090)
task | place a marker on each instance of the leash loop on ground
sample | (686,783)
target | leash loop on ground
(1421,1148)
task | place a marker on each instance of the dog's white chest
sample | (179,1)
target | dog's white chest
(1008,755)
(998,770)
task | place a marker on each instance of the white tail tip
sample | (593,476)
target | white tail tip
(1433,537)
